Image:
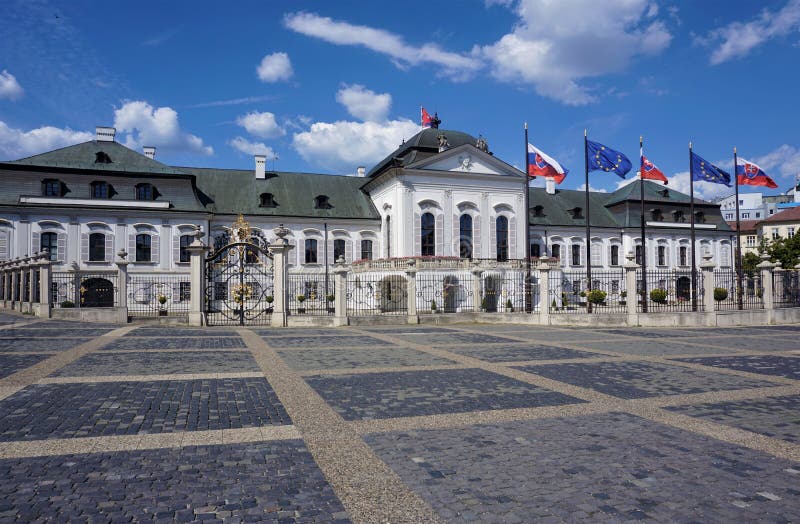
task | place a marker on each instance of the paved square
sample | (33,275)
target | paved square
(779,366)
(657,347)
(777,417)
(764,342)
(132,363)
(10,364)
(650,332)
(326,341)
(256,482)
(406,394)
(46,344)
(128,408)
(516,353)
(612,467)
(134,343)
(642,379)
(448,339)
(346,358)
(181,332)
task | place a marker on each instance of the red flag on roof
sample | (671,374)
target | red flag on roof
(649,171)
(425,119)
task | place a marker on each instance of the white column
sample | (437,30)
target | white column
(631,293)
(411,280)
(280,251)
(340,292)
(197,251)
(543,269)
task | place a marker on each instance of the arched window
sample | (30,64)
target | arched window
(185,241)
(97,247)
(614,255)
(502,238)
(145,192)
(100,190)
(366,249)
(338,249)
(388,236)
(428,234)
(311,251)
(143,247)
(49,241)
(465,236)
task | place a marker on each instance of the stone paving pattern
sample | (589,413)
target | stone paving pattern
(349,358)
(132,363)
(23,343)
(303,342)
(129,408)
(132,343)
(779,366)
(516,353)
(10,364)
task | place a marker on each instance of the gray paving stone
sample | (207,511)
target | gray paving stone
(135,343)
(651,347)
(764,343)
(455,338)
(26,332)
(24,343)
(254,482)
(642,379)
(414,393)
(181,332)
(776,365)
(132,363)
(519,352)
(302,341)
(599,468)
(50,411)
(10,364)
(777,417)
(348,358)
(650,332)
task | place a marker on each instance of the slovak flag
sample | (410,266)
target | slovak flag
(539,164)
(425,118)
(649,171)
(749,174)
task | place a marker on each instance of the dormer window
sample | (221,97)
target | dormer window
(656,215)
(677,216)
(538,211)
(267,200)
(145,192)
(322,202)
(52,188)
(101,190)
(664,193)
(576,212)
(101,157)
(699,217)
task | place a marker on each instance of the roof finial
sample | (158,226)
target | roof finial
(435,121)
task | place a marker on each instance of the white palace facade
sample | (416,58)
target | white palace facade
(441,194)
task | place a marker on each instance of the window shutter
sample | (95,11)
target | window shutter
(476,237)
(132,247)
(35,241)
(84,247)
(321,256)
(439,231)
(512,239)
(61,247)
(357,254)
(456,249)
(348,251)
(176,248)
(109,248)
(155,248)
(417,234)
(4,245)
(293,253)
(493,240)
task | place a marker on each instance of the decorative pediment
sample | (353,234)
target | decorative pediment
(466,159)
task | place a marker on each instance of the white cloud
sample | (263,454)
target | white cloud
(363,103)
(592,189)
(556,44)
(456,66)
(149,126)
(275,67)
(737,39)
(703,190)
(16,143)
(261,124)
(784,159)
(9,87)
(252,148)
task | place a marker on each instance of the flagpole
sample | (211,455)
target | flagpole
(588,254)
(738,237)
(642,226)
(691,211)
(528,298)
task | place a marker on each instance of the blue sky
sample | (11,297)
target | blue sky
(328,86)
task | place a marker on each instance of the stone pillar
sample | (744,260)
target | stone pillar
(280,253)
(340,292)
(544,290)
(477,275)
(709,283)
(6,286)
(17,286)
(122,286)
(197,279)
(631,292)
(31,269)
(411,280)
(766,268)
(45,285)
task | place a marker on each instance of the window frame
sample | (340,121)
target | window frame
(502,241)
(575,249)
(368,252)
(143,247)
(94,250)
(339,249)
(613,257)
(48,183)
(182,248)
(53,247)
(100,184)
(144,186)
(427,235)
(465,234)
(311,251)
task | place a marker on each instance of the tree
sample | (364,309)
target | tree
(783,250)
(750,261)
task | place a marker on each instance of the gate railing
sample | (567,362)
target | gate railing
(84,289)
(310,294)
(158,294)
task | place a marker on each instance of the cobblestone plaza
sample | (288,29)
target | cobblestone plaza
(418,423)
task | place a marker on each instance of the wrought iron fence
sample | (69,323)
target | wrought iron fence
(84,289)
(669,291)
(786,288)
(158,295)
(26,286)
(503,291)
(377,294)
(726,285)
(444,291)
(310,294)
(570,292)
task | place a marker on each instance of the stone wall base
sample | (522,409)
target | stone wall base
(111,315)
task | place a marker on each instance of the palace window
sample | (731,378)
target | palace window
(683,256)
(536,251)
(656,215)
(597,254)
(338,249)
(311,251)
(97,247)
(366,249)
(101,157)
(576,254)
(775,234)
(322,202)
(538,211)
(555,251)
(465,236)
(145,192)
(751,240)
(789,232)
(49,241)
(143,247)
(185,291)
(428,234)
(100,190)
(502,238)
(638,255)
(183,253)
(615,255)
(267,200)
(662,255)
(52,188)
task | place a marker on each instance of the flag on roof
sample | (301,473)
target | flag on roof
(705,171)
(425,119)
(749,174)
(603,158)
(540,164)
(648,170)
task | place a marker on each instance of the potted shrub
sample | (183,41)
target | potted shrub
(330,298)
(269,299)
(433,307)
(659,296)
(68,304)
(553,305)
(622,296)
(596,296)
(162,300)
(484,304)
(509,305)
(300,307)
(720,294)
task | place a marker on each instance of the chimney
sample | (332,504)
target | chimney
(361,171)
(150,152)
(550,185)
(261,167)
(105,134)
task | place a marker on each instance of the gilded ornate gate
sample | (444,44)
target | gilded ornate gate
(239,280)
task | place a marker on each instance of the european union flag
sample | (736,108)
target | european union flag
(705,171)
(604,158)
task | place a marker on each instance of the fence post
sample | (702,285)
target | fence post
(280,251)
(18,291)
(45,285)
(477,301)
(31,281)
(122,286)
(766,268)
(197,279)
(340,293)
(631,289)
(411,282)
(544,290)
(709,283)
(5,285)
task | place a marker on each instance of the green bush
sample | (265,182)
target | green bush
(509,305)
(659,296)
(484,303)
(68,303)
(433,305)
(596,296)
(720,294)
(582,294)
(553,305)
(330,298)
(301,298)
(269,299)
(623,294)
